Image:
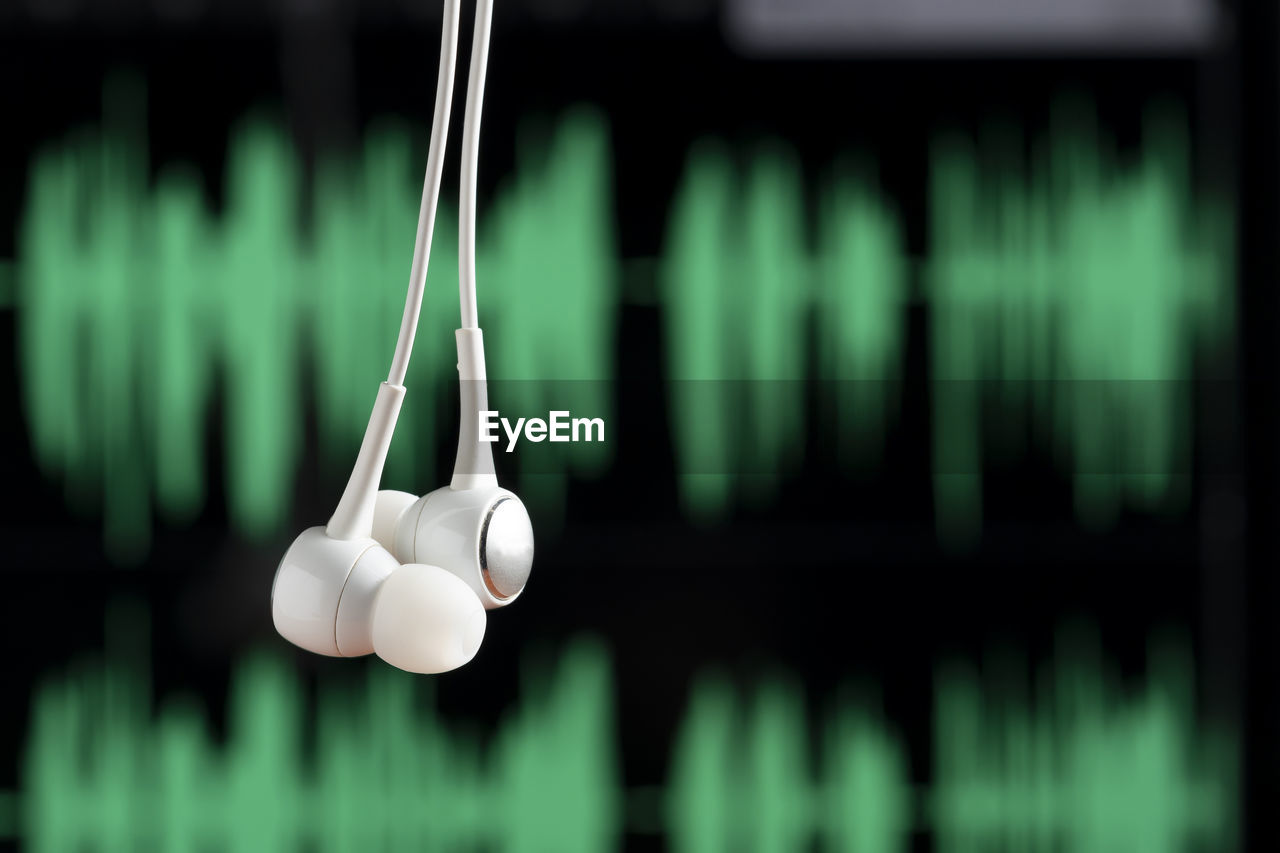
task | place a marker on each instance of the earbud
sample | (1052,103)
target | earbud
(426,620)
(473,527)
(338,592)
(482,535)
(350,597)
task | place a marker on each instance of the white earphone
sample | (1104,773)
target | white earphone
(404,577)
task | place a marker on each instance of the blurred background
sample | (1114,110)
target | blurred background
(937,346)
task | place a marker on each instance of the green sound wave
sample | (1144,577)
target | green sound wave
(1070,293)
(1081,761)
(1089,283)
(740,287)
(384,771)
(743,779)
(1077,764)
(1084,285)
(1072,762)
(137,303)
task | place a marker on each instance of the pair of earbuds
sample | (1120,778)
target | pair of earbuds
(405,577)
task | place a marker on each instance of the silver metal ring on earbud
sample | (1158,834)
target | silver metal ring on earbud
(505,568)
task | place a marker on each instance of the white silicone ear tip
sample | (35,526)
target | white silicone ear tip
(426,620)
(387,509)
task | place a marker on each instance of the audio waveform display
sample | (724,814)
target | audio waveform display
(140,309)
(379,769)
(1070,295)
(1076,760)
(1072,760)
(740,286)
(1088,286)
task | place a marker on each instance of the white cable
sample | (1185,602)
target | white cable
(353,517)
(470,154)
(430,195)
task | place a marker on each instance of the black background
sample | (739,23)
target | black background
(835,580)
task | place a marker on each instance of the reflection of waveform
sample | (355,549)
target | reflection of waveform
(385,771)
(743,779)
(1070,762)
(135,300)
(1076,764)
(1055,276)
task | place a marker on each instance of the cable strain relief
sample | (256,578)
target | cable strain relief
(353,519)
(473,467)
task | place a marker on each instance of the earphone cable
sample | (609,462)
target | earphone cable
(470,156)
(430,195)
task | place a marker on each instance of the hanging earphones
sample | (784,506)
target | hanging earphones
(339,590)
(473,527)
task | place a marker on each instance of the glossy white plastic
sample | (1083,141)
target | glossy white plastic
(483,536)
(473,466)
(353,518)
(426,620)
(340,590)
(388,507)
(308,587)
